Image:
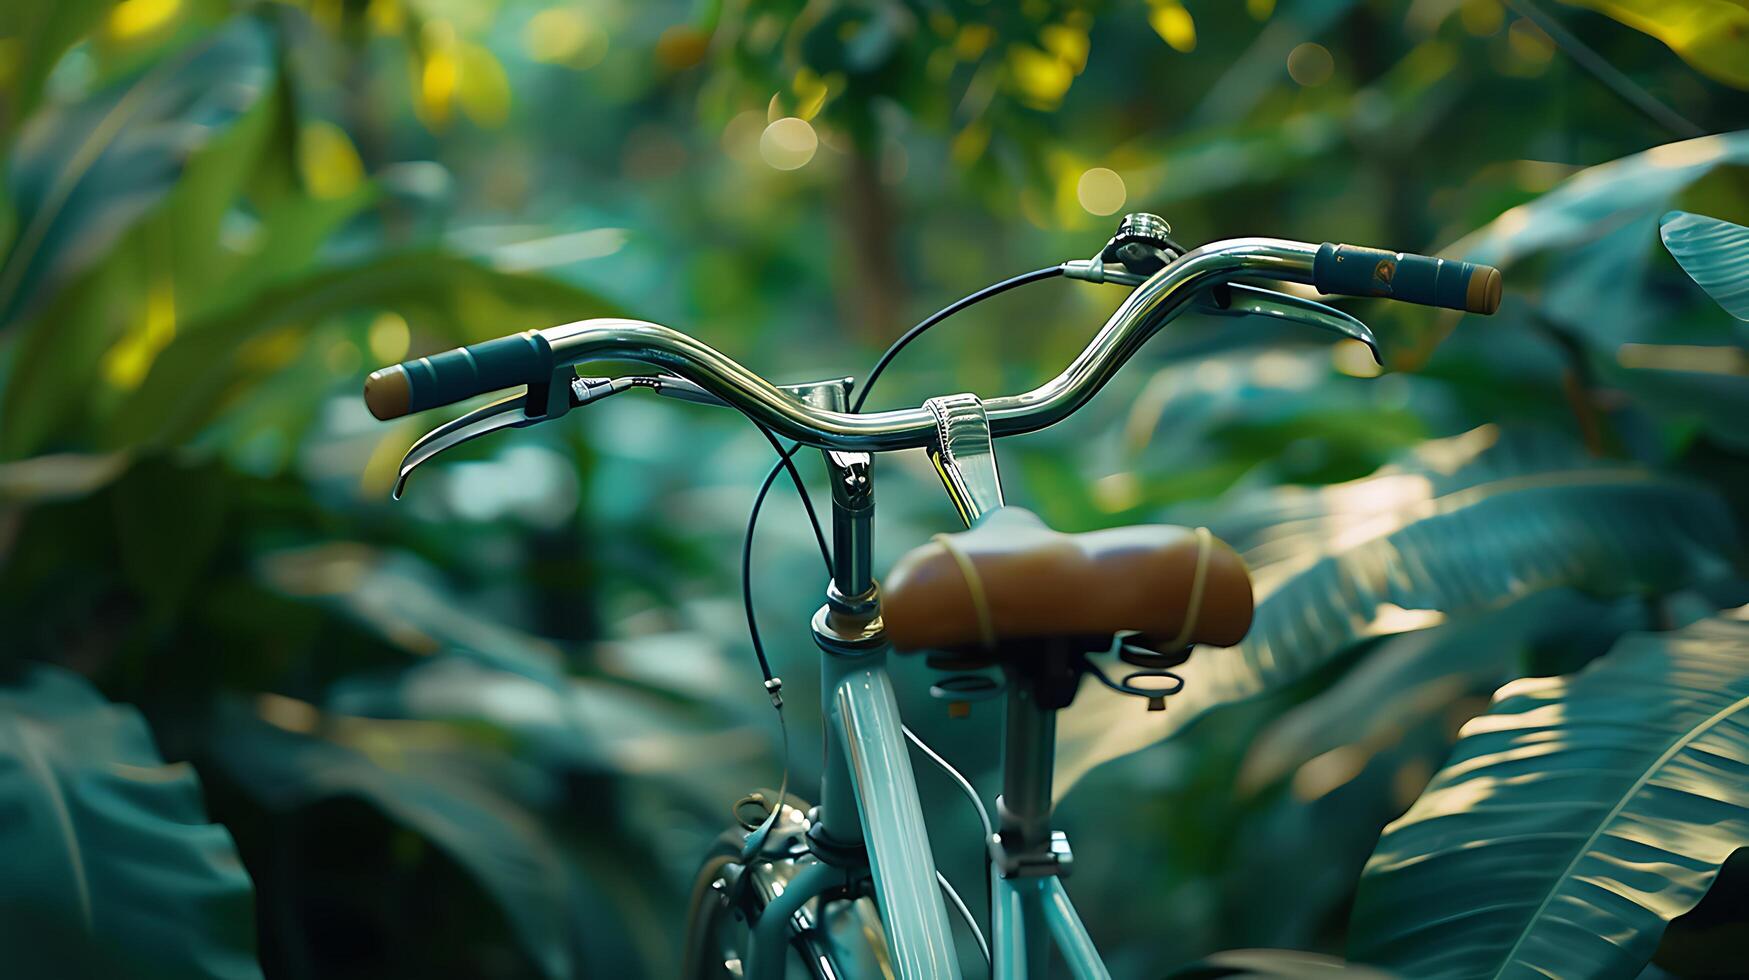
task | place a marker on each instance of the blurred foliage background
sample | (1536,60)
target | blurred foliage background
(489,731)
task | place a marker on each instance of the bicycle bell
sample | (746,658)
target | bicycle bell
(1142,244)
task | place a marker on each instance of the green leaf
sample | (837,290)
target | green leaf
(1595,200)
(81,175)
(1412,676)
(464,300)
(424,776)
(1575,819)
(1465,525)
(169,271)
(1711,35)
(1599,226)
(1272,415)
(1714,253)
(58,476)
(42,32)
(403,601)
(472,670)
(58,356)
(664,750)
(1709,385)
(112,868)
(1273,964)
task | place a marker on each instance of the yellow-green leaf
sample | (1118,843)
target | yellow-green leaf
(1711,35)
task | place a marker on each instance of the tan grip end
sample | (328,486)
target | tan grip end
(1483,296)
(388,393)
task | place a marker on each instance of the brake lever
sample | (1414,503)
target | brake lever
(1236,299)
(505,413)
(513,412)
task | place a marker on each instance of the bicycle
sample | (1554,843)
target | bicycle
(1006,608)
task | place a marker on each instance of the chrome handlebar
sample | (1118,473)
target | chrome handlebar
(1142,314)
(697,372)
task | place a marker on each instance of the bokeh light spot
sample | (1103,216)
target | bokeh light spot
(1041,78)
(1117,492)
(389,337)
(437,83)
(1070,45)
(387,17)
(136,18)
(327,160)
(564,36)
(1310,64)
(126,364)
(788,143)
(1174,25)
(483,89)
(1101,191)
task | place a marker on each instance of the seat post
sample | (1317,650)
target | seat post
(1042,679)
(1028,755)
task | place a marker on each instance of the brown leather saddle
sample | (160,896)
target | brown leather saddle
(1038,583)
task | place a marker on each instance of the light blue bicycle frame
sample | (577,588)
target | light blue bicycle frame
(868,770)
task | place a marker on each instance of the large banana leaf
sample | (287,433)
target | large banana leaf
(1714,253)
(1594,200)
(1411,676)
(1464,525)
(83,174)
(112,868)
(1575,820)
(1601,225)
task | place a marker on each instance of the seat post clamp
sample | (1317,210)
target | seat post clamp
(1016,859)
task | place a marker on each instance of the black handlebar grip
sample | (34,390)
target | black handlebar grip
(1351,270)
(455,375)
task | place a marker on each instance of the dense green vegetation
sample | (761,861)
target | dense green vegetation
(255,713)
